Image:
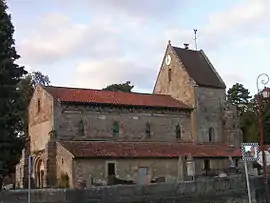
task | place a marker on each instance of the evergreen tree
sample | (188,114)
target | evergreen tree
(11,110)
(239,96)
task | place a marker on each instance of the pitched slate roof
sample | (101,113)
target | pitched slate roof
(199,68)
(88,149)
(78,95)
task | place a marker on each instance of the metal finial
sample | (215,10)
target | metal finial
(195,37)
(262,79)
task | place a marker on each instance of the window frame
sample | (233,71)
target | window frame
(178,132)
(147,130)
(115,129)
(211,134)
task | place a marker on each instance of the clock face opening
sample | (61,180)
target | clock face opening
(168,60)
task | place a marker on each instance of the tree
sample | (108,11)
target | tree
(38,78)
(249,126)
(239,96)
(123,87)
(11,111)
(29,82)
(248,113)
(246,106)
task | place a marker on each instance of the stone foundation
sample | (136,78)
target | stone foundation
(214,190)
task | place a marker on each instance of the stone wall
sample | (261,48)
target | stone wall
(231,126)
(40,119)
(50,164)
(98,123)
(208,103)
(64,164)
(209,113)
(181,85)
(127,169)
(20,171)
(170,169)
(216,191)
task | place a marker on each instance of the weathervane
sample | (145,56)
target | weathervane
(195,38)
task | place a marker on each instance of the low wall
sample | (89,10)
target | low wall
(232,190)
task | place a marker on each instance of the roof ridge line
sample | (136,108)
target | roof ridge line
(185,49)
(212,67)
(81,88)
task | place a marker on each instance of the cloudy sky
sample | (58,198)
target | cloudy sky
(94,43)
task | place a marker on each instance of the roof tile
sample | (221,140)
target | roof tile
(66,94)
(90,149)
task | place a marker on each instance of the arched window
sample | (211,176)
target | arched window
(147,130)
(38,106)
(170,75)
(81,128)
(211,134)
(178,132)
(115,129)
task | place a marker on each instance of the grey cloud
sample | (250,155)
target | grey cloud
(246,18)
(64,40)
(156,9)
(231,25)
(98,74)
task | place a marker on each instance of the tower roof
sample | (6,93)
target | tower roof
(199,68)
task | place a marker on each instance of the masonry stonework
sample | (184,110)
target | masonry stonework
(20,171)
(94,171)
(40,119)
(231,125)
(127,169)
(180,86)
(98,123)
(218,191)
(64,164)
(209,113)
(208,102)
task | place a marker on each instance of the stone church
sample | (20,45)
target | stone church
(87,136)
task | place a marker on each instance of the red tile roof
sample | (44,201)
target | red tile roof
(66,94)
(90,149)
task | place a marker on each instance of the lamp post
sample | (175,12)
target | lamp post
(265,95)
